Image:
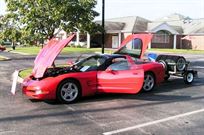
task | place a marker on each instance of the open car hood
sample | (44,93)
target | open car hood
(135,45)
(48,54)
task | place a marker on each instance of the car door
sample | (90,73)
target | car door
(88,73)
(125,78)
(120,77)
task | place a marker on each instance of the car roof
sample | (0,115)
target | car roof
(110,56)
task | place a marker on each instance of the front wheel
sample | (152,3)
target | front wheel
(149,82)
(68,91)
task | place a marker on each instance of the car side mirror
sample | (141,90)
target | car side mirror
(109,70)
(70,62)
(78,58)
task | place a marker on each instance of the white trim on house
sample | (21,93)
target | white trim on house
(175,39)
(164,26)
(119,38)
(77,37)
(88,41)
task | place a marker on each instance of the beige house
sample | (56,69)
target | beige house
(169,31)
(119,28)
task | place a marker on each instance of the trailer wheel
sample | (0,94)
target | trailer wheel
(188,77)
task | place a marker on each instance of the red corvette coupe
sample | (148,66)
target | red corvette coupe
(121,72)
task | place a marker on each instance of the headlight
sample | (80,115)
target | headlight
(38,92)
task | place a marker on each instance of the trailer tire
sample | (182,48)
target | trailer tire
(188,77)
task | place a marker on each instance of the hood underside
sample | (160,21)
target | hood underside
(48,54)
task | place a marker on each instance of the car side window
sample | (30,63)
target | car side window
(119,65)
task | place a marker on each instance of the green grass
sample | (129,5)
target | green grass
(67,50)
(25,73)
(70,50)
(27,50)
(183,51)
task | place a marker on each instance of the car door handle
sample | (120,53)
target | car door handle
(135,73)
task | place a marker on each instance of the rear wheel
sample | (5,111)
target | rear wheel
(149,82)
(68,91)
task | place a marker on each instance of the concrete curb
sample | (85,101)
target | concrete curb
(19,53)
(20,79)
(5,58)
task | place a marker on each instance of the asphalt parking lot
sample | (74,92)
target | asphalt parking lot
(173,108)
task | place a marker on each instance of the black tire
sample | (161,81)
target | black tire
(68,91)
(161,57)
(164,64)
(149,82)
(180,61)
(188,77)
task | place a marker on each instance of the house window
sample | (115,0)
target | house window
(161,37)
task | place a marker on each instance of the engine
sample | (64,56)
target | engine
(52,72)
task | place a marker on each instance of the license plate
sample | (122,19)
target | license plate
(14,83)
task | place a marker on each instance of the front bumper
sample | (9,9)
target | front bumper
(37,89)
(36,93)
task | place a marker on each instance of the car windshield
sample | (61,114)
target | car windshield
(90,64)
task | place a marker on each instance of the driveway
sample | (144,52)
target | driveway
(173,108)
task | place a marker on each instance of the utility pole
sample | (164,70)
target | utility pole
(103,25)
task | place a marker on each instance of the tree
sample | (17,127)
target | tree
(9,30)
(42,17)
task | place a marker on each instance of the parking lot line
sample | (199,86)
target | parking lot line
(153,122)
(6,132)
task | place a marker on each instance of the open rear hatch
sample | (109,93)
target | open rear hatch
(135,45)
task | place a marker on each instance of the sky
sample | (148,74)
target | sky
(2,7)
(149,9)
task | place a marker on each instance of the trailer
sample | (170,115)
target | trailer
(176,65)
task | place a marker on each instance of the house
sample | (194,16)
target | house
(168,32)
(174,31)
(119,28)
